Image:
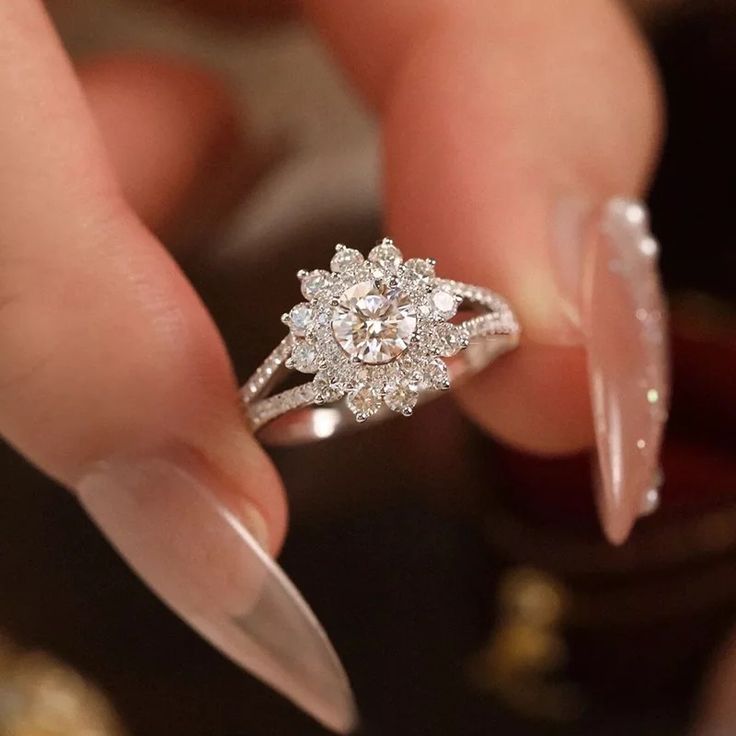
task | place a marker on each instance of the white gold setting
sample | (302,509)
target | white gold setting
(378,332)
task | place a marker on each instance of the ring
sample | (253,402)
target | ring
(382,334)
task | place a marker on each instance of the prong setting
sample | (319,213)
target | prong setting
(375,330)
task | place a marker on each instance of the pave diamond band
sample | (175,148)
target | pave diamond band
(380,333)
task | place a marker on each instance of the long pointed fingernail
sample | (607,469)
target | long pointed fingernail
(198,548)
(622,318)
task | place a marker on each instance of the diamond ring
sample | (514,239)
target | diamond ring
(379,332)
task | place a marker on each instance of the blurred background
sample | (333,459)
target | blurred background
(485,604)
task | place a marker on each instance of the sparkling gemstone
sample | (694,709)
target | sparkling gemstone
(345,259)
(650,502)
(300,318)
(314,282)
(437,375)
(649,246)
(378,273)
(386,252)
(450,339)
(407,363)
(444,302)
(326,388)
(362,374)
(634,212)
(374,323)
(363,402)
(421,266)
(304,357)
(401,396)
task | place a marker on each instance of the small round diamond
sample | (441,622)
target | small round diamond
(326,389)
(401,396)
(300,319)
(421,266)
(387,253)
(443,302)
(345,259)
(364,402)
(304,357)
(373,323)
(315,282)
(450,339)
(437,375)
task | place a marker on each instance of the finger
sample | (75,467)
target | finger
(484,137)
(114,381)
(500,120)
(171,134)
(97,322)
(248,11)
(162,123)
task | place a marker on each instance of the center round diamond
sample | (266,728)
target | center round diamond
(374,323)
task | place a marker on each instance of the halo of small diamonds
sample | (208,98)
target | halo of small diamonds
(374,330)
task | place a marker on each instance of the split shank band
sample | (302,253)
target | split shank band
(381,337)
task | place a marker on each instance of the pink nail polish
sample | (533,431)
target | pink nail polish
(623,319)
(205,558)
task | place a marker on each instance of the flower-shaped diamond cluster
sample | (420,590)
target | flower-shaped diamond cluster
(375,330)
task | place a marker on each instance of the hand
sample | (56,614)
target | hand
(113,378)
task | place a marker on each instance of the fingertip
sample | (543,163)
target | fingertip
(169,516)
(535,399)
(253,480)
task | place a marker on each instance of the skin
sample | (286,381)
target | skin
(163,124)
(104,344)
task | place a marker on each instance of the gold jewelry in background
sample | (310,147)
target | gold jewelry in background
(524,660)
(40,696)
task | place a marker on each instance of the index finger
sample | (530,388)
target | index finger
(115,381)
(506,126)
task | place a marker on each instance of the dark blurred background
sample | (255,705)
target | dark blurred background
(485,604)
